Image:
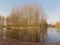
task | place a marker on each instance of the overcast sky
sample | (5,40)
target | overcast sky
(51,7)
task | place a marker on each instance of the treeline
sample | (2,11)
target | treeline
(57,24)
(27,16)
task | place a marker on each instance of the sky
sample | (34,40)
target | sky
(50,7)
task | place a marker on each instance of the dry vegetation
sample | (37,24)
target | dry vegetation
(30,17)
(57,25)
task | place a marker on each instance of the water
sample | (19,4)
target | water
(4,33)
(53,35)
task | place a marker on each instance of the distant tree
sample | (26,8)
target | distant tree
(57,24)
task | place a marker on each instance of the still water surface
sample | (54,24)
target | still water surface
(53,35)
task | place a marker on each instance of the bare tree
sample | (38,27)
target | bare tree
(29,16)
